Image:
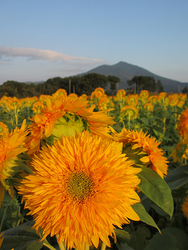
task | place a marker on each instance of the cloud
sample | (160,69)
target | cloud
(38,54)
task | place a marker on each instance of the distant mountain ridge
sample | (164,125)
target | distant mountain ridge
(126,71)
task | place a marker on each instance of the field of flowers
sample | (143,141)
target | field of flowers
(94,171)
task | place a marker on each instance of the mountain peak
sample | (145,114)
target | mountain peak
(126,71)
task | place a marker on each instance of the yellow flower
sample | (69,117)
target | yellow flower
(132,100)
(120,94)
(82,187)
(3,129)
(149,106)
(154,158)
(182,126)
(129,111)
(60,92)
(67,116)
(144,94)
(185,207)
(37,106)
(11,145)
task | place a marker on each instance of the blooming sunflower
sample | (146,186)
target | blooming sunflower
(144,149)
(11,145)
(148,106)
(129,111)
(66,116)
(182,126)
(185,207)
(82,187)
(3,129)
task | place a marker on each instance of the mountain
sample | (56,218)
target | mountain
(126,71)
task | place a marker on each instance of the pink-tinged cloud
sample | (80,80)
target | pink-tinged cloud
(37,54)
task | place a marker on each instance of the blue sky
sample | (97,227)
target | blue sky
(42,39)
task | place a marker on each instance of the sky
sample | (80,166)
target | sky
(42,39)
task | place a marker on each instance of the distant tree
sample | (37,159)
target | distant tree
(114,80)
(185,90)
(87,83)
(145,83)
(159,86)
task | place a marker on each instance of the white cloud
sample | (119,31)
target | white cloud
(37,54)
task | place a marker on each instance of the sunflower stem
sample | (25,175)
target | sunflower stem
(46,244)
(103,247)
(4,214)
(61,246)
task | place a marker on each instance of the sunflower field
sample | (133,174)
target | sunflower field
(94,172)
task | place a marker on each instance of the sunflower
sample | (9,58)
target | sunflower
(129,111)
(3,129)
(82,187)
(185,207)
(66,116)
(182,126)
(11,145)
(37,106)
(142,149)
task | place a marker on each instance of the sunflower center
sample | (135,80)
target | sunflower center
(79,186)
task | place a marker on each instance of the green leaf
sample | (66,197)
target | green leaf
(171,238)
(21,238)
(144,216)
(177,177)
(122,235)
(156,188)
(123,246)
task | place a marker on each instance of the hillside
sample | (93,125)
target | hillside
(126,71)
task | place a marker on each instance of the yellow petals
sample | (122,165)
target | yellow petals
(76,189)
(145,159)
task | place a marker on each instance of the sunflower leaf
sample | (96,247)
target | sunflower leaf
(21,238)
(171,238)
(144,216)
(177,177)
(155,188)
(122,235)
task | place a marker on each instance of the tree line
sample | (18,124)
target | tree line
(82,84)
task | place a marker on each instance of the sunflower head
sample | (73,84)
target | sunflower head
(182,126)
(129,111)
(81,189)
(3,129)
(148,106)
(65,115)
(11,146)
(145,150)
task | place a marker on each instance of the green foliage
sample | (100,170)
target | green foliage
(145,83)
(155,188)
(170,238)
(144,216)
(21,238)
(84,84)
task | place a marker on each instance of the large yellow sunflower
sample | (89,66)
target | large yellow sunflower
(11,145)
(82,187)
(152,155)
(66,116)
